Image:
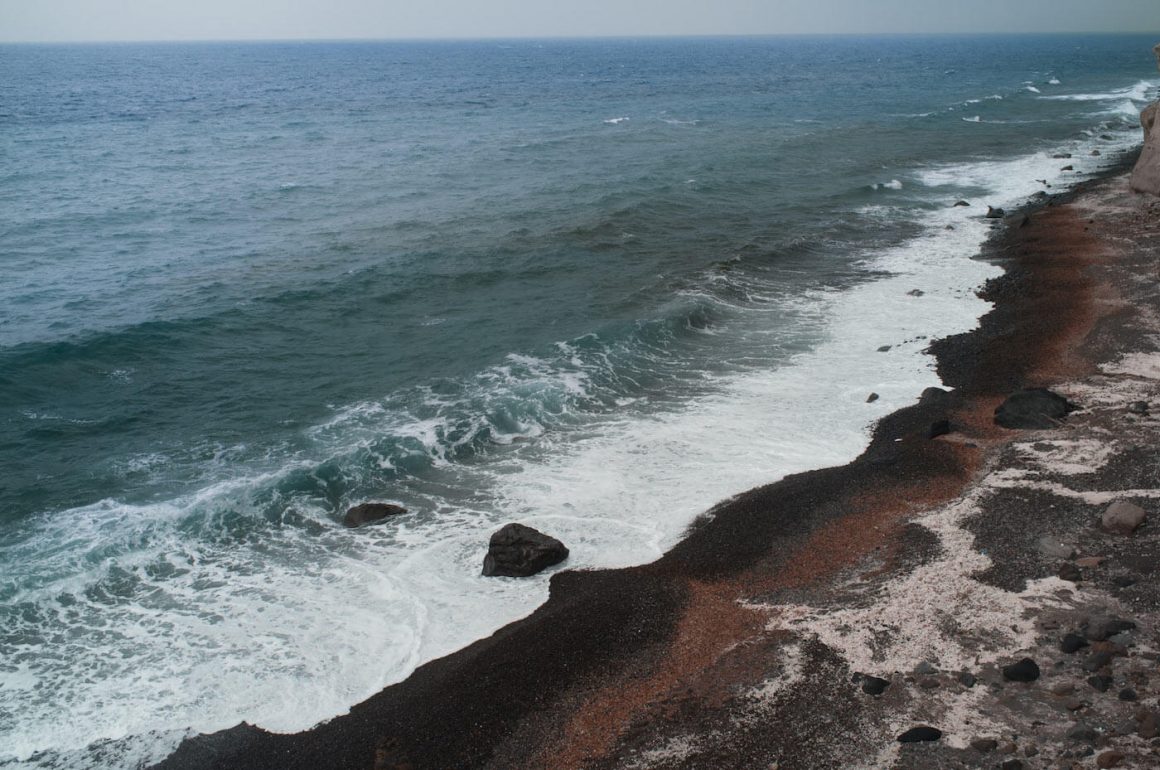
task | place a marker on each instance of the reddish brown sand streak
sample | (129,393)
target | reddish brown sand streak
(1057,250)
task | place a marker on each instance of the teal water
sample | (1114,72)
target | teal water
(592,285)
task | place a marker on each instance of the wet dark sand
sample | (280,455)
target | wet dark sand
(685,663)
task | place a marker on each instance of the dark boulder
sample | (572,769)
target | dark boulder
(1072,643)
(872,685)
(870,399)
(369,513)
(993,213)
(920,734)
(939,428)
(520,551)
(1033,408)
(960,203)
(1025,670)
(934,396)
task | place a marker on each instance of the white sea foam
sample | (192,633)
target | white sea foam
(1140,92)
(973,119)
(616,121)
(177,622)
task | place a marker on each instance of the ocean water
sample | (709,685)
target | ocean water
(592,286)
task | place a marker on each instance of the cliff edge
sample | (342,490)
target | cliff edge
(1146,174)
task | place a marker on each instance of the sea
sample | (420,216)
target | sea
(592,286)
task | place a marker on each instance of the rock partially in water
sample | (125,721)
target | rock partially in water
(520,551)
(369,513)
(1033,409)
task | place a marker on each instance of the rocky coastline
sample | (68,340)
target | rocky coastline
(978,589)
(949,599)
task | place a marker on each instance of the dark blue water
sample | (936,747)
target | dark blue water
(245,286)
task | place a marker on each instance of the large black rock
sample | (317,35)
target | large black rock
(368,513)
(519,551)
(1033,408)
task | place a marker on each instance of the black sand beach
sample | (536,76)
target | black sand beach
(929,563)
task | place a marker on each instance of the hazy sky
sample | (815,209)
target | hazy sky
(32,20)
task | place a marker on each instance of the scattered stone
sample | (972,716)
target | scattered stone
(369,513)
(1083,732)
(1031,750)
(1101,683)
(939,428)
(920,734)
(1061,155)
(1096,661)
(1025,670)
(1063,688)
(884,348)
(1070,573)
(960,203)
(916,293)
(872,685)
(984,745)
(1074,704)
(1109,759)
(1149,724)
(1096,153)
(1068,167)
(520,551)
(929,683)
(1089,562)
(1123,518)
(967,679)
(1124,581)
(1072,643)
(993,213)
(1033,408)
(934,396)
(1138,407)
(1011,764)
(925,669)
(1008,747)
(1106,137)
(1102,627)
(870,399)
(1129,695)
(1052,548)
(1124,640)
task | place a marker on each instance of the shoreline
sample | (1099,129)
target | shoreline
(618,662)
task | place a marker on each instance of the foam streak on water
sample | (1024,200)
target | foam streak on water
(592,287)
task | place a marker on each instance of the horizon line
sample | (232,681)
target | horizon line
(534,38)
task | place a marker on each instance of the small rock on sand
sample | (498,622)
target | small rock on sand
(920,734)
(1052,548)
(1033,408)
(872,685)
(1122,517)
(984,745)
(1072,643)
(1101,627)
(1070,572)
(1109,759)
(938,428)
(1025,670)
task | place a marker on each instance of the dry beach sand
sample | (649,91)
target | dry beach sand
(811,623)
